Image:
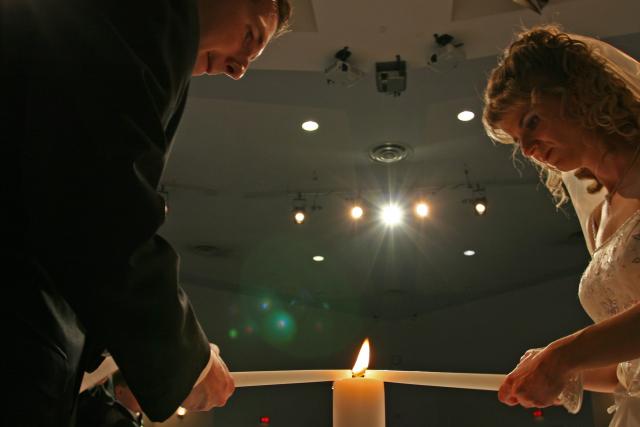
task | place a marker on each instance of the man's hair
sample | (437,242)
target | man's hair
(283,9)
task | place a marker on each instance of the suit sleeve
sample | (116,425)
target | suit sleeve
(94,146)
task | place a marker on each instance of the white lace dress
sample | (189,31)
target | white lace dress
(609,285)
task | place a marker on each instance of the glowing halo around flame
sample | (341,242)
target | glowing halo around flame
(362,362)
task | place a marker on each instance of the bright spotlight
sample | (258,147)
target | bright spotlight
(480,206)
(318,258)
(299,216)
(310,126)
(465,116)
(181,412)
(469,252)
(391,215)
(299,206)
(357,212)
(422,209)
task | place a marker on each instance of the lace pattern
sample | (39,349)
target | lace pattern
(610,285)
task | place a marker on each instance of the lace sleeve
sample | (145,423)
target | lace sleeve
(629,377)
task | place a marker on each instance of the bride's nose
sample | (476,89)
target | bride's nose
(528,146)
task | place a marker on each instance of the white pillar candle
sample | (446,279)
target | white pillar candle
(358,402)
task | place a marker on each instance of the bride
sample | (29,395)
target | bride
(572,105)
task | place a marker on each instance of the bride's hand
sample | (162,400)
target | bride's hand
(537,381)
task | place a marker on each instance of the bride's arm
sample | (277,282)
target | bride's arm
(603,380)
(603,344)
(539,380)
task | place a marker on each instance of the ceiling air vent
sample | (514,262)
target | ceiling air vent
(389,152)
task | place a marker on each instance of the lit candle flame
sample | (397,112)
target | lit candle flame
(362,362)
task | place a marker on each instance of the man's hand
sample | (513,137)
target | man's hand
(214,389)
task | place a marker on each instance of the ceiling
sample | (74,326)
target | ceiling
(240,158)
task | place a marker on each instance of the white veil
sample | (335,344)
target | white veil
(628,69)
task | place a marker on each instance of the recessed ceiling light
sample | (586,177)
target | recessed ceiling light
(465,116)
(481,206)
(318,258)
(469,252)
(310,126)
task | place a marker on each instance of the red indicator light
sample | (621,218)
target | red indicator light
(265,420)
(537,413)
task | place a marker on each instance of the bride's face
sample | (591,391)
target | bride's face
(545,135)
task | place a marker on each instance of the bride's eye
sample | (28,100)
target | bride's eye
(531,122)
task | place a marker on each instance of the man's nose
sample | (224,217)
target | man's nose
(236,68)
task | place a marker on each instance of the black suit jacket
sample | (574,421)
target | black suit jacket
(97,407)
(92,93)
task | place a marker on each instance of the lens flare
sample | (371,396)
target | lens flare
(280,327)
(392,215)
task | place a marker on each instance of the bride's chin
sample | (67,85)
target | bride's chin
(563,167)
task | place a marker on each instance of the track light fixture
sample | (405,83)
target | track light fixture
(411,209)
(357,212)
(299,208)
(299,215)
(478,197)
(480,205)
(356,207)
(422,209)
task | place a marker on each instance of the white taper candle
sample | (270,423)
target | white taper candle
(260,378)
(439,379)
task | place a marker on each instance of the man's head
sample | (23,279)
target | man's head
(233,33)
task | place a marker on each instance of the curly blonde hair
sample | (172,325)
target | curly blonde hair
(546,61)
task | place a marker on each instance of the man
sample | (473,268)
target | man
(92,92)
